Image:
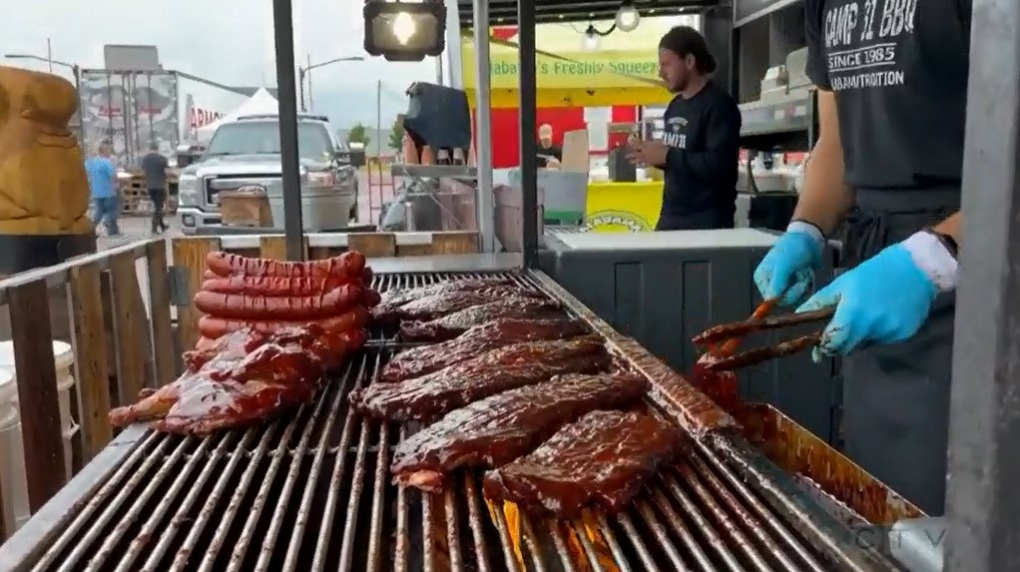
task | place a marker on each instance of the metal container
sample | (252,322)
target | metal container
(321,209)
(311,492)
(564,194)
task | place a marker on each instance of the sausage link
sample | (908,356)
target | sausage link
(370,298)
(274,286)
(213,328)
(350,264)
(289,308)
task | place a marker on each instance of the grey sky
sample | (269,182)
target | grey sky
(229,41)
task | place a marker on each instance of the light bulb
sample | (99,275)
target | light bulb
(403,27)
(591,40)
(627,18)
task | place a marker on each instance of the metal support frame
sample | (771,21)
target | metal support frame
(286,84)
(983,504)
(529,147)
(453,54)
(483,128)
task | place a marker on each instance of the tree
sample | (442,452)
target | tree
(358,134)
(397,134)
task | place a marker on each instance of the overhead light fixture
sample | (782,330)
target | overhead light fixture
(627,17)
(591,39)
(404,31)
(403,27)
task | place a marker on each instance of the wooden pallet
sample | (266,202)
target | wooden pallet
(141,205)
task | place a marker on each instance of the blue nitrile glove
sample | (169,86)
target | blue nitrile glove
(788,270)
(887,298)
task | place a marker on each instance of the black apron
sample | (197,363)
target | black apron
(896,397)
(706,220)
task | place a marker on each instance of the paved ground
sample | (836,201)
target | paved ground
(135,228)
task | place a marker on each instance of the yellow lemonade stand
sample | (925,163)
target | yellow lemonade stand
(623,207)
(623,71)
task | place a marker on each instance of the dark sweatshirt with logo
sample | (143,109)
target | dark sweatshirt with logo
(700,174)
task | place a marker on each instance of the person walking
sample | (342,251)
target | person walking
(156,167)
(887,166)
(101,173)
(699,151)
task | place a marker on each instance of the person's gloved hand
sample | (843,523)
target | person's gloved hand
(887,298)
(788,270)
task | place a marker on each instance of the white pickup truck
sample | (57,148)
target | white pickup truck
(246,153)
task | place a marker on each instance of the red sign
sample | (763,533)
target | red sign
(200,117)
(504,33)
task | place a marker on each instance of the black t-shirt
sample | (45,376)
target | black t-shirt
(899,72)
(545,152)
(154,166)
(703,134)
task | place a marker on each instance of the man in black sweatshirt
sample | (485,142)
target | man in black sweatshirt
(699,150)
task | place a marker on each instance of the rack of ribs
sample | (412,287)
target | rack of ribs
(431,396)
(602,460)
(420,361)
(455,324)
(438,305)
(237,387)
(498,429)
(396,297)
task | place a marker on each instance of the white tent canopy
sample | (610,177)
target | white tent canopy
(261,103)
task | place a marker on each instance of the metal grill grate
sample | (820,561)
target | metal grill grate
(312,492)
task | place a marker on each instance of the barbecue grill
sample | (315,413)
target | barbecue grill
(311,492)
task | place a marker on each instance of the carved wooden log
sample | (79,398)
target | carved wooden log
(44,194)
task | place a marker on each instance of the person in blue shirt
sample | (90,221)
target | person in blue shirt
(102,176)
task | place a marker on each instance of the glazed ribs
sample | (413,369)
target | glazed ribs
(455,324)
(396,297)
(431,396)
(498,429)
(479,339)
(438,305)
(431,302)
(602,460)
(252,378)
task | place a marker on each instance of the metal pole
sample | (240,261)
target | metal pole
(283,26)
(76,71)
(301,87)
(311,94)
(454,43)
(378,121)
(49,53)
(483,128)
(529,147)
(983,504)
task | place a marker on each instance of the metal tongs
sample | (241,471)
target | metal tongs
(721,340)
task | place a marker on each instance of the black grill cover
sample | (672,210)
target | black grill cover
(438,116)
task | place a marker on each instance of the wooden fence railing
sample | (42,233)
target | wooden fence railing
(120,308)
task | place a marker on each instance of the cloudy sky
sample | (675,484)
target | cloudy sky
(228,41)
